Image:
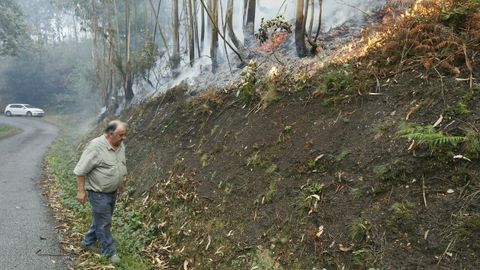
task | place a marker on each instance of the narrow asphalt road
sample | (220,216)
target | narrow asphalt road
(28,240)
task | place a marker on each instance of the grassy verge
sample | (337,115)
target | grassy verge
(7,131)
(74,218)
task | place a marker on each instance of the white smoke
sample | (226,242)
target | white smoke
(335,13)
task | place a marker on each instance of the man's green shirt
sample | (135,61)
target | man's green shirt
(103,167)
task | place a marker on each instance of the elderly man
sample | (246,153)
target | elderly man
(101,172)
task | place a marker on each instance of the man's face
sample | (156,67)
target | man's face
(116,138)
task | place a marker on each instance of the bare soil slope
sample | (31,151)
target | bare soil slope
(307,183)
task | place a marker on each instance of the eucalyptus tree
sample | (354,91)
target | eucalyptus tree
(300,29)
(191,31)
(305,9)
(175,37)
(12,28)
(213,10)
(319,27)
(249,20)
(123,46)
(231,33)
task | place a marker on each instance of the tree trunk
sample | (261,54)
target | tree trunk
(300,30)
(191,42)
(136,40)
(195,27)
(128,80)
(156,19)
(164,40)
(319,28)
(250,22)
(305,14)
(110,80)
(95,56)
(202,31)
(231,33)
(312,18)
(214,21)
(176,38)
(214,34)
(117,27)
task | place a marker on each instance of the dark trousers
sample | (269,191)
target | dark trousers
(102,208)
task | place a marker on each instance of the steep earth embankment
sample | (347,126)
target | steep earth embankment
(305,182)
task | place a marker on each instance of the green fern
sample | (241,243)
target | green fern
(428,136)
(472,143)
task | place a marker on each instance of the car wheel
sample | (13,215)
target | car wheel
(8,113)
(29,114)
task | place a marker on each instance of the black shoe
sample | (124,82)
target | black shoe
(87,248)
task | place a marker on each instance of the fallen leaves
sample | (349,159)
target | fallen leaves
(346,248)
(320,231)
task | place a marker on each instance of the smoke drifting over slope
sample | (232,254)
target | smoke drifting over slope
(335,13)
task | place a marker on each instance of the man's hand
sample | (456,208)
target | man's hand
(121,189)
(81,196)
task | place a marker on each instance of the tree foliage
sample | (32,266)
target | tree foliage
(12,28)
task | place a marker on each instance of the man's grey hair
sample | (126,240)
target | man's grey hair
(113,125)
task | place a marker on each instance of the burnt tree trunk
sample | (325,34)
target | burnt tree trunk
(176,38)
(319,27)
(249,25)
(191,41)
(214,34)
(300,30)
(128,78)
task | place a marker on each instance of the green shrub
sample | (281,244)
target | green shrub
(271,27)
(246,90)
(336,80)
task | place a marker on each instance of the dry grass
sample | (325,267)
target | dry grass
(433,36)
(209,100)
(473,26)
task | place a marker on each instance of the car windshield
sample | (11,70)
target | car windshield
(28,106)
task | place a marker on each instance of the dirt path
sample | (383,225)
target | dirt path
(27,236)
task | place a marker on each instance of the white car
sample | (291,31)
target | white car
(23,109)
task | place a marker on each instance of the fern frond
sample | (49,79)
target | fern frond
(428,136)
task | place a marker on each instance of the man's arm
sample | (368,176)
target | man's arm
(81,195)
(121,189)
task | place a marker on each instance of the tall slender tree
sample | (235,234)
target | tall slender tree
(249,20)
(214,33)
(191,40)
(175,38)
(231,32)
(319,27)
(300,29)
(129,75)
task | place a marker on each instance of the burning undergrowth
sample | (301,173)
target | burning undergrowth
(433,38)
(275,48)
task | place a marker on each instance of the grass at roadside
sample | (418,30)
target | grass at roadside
(74,218)
(7,131)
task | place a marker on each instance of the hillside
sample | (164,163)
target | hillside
(371,163)
(232,187)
